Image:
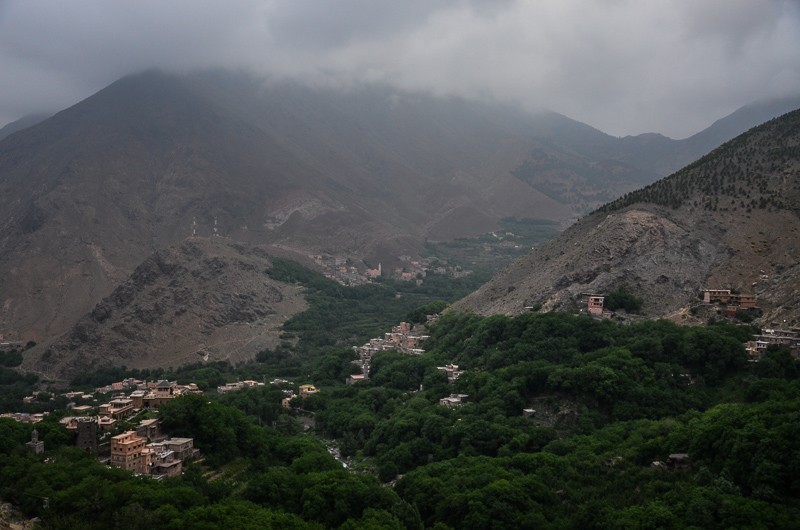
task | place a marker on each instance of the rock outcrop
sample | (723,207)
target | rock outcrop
(204,299)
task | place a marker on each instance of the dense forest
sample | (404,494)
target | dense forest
(752,171)
(568,422)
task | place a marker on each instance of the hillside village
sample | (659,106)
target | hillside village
(124,430)
(723,302)
(345,272)
(119,422)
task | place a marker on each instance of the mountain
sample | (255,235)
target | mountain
(172,311)
(730,220)
(370,173)
(22,123)
(736,123)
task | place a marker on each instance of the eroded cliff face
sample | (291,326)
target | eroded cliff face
(204,299)
(644,249)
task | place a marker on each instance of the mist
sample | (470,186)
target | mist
(622,66)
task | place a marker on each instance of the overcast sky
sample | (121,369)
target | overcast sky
(623,66)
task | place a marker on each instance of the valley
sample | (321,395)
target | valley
(89,194)
(447,347)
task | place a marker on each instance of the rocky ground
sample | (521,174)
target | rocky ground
(204,299)
(664,256)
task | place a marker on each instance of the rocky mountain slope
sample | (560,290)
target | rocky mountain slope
(90,192)
(203,299)
(729,220)
(22,123)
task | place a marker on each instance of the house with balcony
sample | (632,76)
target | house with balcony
(129,452)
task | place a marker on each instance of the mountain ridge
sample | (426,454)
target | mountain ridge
(89,193)
(729,220)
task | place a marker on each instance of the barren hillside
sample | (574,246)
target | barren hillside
(203,299)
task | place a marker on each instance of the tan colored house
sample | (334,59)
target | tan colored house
(711,296)
(128,452)
(106,423)
(308,390)
(118,408)
(743,301)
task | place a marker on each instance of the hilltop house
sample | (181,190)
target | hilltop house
(725,296)
(595,304)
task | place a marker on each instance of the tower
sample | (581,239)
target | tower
(35,445)
(87,434)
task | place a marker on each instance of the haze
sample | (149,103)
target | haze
(623,66)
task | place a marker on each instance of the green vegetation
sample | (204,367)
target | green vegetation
(11,358)
(262,478)
(563,419)
(530,231)
(621,298)
(746,173)
(344,316)
(487,253)
(13,387)
(206,375)
(608,399)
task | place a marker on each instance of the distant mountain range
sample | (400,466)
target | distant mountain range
(90,193)
(730,220)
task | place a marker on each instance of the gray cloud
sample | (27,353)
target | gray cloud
(624,66)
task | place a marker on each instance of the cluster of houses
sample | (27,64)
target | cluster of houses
(145,451)
(410,269)
(417,269)
(25,417)
(304,391)
(147,395)
(239,385)
(731,301)
(595,303)
(402,338)
(162,387)
(158,456)
(339,270)
(789,338)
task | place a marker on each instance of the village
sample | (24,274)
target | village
(141,447)
(406,339)
(125,431)
(727,304)
(344,271)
